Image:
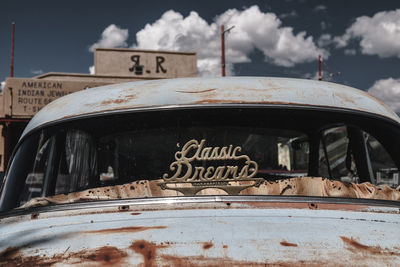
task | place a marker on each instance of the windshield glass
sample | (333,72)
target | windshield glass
(194,153)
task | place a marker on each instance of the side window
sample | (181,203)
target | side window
(338,156)
(35,178)
(383,167)
(61,164)
(336,160)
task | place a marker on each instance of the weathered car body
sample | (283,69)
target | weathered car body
(206,172)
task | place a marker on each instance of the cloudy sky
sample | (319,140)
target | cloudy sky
(359,40)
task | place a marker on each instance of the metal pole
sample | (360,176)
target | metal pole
(319,68)
(12,50)
(223,50)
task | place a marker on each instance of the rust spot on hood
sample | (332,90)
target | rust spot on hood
(102,256)
(205,261)
(305,205)
(312,206)
(170,260)
(196,92)
(9,252)
(236,101)
(123,208)
(131,96)
(207,245)
(216,101)
(147,250)
(287,244)
(106,255)
(114,101)
(355,246)
(125,229)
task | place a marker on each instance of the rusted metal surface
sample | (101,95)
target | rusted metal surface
(218,234)
(210,91)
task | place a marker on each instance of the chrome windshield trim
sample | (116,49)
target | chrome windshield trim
(202,200)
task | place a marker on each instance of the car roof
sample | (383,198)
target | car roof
(209,92)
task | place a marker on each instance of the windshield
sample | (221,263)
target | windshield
(189,153)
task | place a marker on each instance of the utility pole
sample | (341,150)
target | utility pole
(223,50)
(12,49)
(319,68)
(223,31)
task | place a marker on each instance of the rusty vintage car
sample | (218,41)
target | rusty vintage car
(206,172)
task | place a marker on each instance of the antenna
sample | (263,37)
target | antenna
(12,49)
(223,31)
(319,68)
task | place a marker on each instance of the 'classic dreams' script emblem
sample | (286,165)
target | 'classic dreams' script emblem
(192,171)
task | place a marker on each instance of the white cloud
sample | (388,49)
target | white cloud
(111,37)
(254,29)
(2,85)
(323,25)
(91,70)
(377,35)
(324,40)
(36,72)
(387,90)
(341,41)
(320,8)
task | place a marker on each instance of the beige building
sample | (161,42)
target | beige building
(24,97)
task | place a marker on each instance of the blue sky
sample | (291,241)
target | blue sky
(359,40)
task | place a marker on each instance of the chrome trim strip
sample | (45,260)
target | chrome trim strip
(202,200)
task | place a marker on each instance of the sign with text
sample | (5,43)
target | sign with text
(25,97)
(144,64)
(197,167)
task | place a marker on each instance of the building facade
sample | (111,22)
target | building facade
(22,98)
